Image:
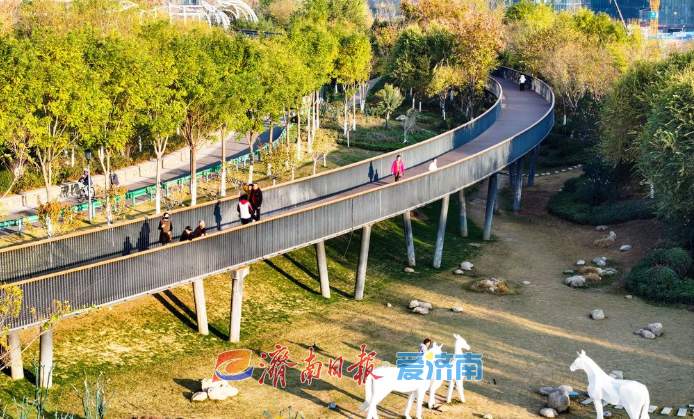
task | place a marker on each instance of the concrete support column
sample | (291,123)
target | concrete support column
(15,347)
(517,185)
(491,202)
(463,213)
(532,165)
(322,262)
(443,216)
(409,239)
(363,259)
(200,306)
(46,359)
(237,278)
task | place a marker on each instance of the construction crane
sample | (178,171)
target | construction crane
(655,8)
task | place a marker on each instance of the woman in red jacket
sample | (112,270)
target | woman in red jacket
(397,168)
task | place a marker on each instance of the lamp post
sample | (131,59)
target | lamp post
(90,205)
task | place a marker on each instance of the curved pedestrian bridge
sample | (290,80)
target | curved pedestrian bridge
(116,263)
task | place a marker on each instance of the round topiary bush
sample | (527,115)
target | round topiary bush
(659,283)
(675,258)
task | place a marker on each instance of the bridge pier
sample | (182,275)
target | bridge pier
(322,262)
(491,202)
(363,259)
(532,165)
(440,234)
(409,238)
(15,347)
(237,278)
(46,359)
(462,213)
(517,184)
(200,306)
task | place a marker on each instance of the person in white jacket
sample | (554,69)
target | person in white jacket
(521,82)
(245,209)
(433,166)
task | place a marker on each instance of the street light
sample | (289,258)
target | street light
(90,205)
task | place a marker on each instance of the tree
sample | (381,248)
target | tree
(390,100)
(324,143)
(352,66)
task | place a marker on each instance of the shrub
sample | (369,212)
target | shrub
(567,205)
(674,258)
(660,276)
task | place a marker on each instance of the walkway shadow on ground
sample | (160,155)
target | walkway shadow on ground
(290,277)
(313,275)
(184,313)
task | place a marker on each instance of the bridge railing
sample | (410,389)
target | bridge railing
(64,252)
(162,267)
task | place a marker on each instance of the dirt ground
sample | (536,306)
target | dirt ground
(527,340)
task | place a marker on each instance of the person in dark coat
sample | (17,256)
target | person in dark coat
(256,199)
(165,229)
(199,230)
(187,234)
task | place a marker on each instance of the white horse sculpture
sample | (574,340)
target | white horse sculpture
(460,345)
(375,390)
(630,394)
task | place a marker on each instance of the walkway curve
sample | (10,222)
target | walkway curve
(312,209)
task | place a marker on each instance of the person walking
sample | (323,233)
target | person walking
(187,234)
(256,199)
(245,209)
(425,345)
(199,230)
(165,229)
(521,82)
(397,169)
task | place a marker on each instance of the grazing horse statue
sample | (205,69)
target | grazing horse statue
(628,393)
(376,389)
(460,345)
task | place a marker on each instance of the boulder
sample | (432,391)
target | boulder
(487,283)
(457,309)
(426,305)
(409,270)
(628,296)
(525,282)
(616,374)
(580,262)
(655,328)
(593,278)
(600,261)
(548,412)
(466,266)
(546,390)
(583,270)
(475,245)
(389,305)
(459,272)
(606,414)
(645,333)
(601,228)
(222,392)
(559,401)
(608,272)
(208,383)
(414,303)
(625,248)
(597,314)
(199,396)
(569,272)
(487,416)
(576,281)
(606,241)
(566,389)
(420,310)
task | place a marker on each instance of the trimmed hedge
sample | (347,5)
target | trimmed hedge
(661,277)
(568,205)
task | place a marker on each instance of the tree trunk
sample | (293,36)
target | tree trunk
(298,134)
(354,111)
(325,159)
(157,189)
(310,119)
(317,112)
(72,157)
(315,163)
(345,126)
(412,100)
(251,141)
(387,118)
(193,173)
(223,172)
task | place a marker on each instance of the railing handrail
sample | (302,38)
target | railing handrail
(231,197)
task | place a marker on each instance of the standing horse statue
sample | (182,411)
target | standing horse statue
(628,393)
(460,345)
(376,389)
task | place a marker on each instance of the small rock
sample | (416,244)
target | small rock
(208,383)
(566,389)
(656,328)
(420,310)
(548,412)
(625,248)
(414,303)
(559,401)
(487,416)
(617,374)
(607,414)
(466,266)
(608,272)
(457,309)
(601,228)
(597,314)
(389,305)
(628,296)
(546,390)
(575,281)
(222,392)
(526,282)
(600,261)
(569,272)
(409,269)
(426,305)
(580,262)
(645,333)
(487,283)
(474,244)
(199,396)
(459,272)
(606,241)
(593,278)
(332,405)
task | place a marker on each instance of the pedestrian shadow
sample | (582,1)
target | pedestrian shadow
(182,312)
